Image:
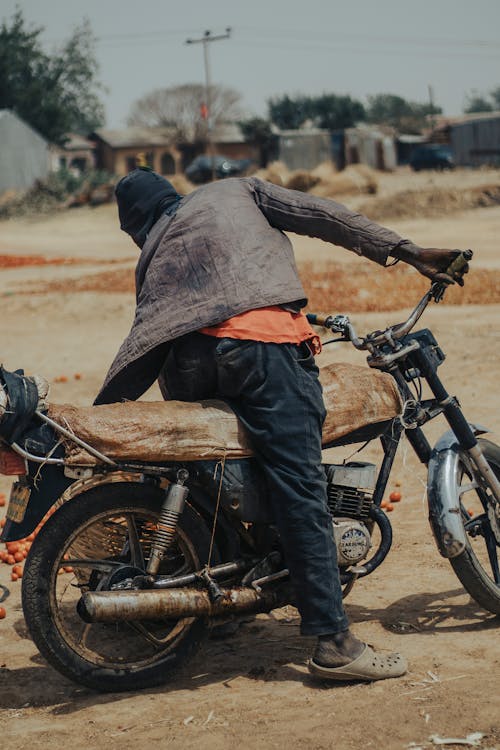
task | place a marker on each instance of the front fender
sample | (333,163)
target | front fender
(443,495)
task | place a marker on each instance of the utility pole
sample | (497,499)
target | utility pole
(207,109)
(431,106)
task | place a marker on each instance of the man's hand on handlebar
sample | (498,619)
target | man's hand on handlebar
(444,266)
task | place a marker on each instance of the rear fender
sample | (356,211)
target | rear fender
(52,489)
(443,494)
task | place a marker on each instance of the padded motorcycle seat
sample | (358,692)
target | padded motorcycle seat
(178,431)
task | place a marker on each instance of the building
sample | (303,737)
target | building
(76,154)
(406,145)
(230,142)
(474,139)
(371,144)
(304,149)
(120,151)
(24,154)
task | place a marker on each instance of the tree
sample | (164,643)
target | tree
(335,112)
(55,94)
(405,116)
(329,111)
(287,113)
(183,108)
(259,131)
(495,96)
(476,102)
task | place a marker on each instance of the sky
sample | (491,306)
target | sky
(446,49)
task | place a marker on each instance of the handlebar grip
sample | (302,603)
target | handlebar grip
(460,262)
(318,320)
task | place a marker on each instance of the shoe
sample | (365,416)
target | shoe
(368,666)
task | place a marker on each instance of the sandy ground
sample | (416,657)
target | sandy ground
(252,690)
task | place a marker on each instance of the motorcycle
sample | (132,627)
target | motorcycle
(156,552)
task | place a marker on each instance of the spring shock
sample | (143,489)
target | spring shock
(171,509)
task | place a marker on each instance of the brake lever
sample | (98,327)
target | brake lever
(437,291)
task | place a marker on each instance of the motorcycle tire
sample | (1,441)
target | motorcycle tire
(478,569)
(85,540)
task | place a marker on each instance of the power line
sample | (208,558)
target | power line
(264,36)
(366,50)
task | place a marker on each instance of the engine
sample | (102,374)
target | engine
(352,540)
(350,491)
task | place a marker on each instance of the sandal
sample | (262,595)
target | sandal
(368,666)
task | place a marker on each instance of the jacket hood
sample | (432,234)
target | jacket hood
(142,197)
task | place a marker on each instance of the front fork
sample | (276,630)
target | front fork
(462,429)
(444,501)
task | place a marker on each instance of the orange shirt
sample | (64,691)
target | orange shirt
(270,324)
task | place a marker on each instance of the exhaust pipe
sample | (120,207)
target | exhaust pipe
(120,606)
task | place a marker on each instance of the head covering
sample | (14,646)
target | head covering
(142,197)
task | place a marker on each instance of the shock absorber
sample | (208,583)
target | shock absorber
(173,505)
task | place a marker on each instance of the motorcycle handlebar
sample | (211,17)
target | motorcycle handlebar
(460,262)
(341,323)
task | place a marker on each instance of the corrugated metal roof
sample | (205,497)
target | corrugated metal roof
(228,132)
(443,122)
(77,142)
(408,138)
(137,137)
(6,113)
(301,132)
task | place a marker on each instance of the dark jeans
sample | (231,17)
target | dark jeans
(275,391)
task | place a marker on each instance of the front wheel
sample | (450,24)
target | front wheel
(102,531)
(478,566)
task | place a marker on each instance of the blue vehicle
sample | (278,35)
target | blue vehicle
(203,167)
(432,156)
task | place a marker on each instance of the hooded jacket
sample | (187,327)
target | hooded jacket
(142,197)
(223,251)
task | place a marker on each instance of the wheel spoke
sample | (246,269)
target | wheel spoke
(84,633)
(158,643)
(136,554)
(104,566)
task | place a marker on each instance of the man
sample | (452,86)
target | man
(219,315)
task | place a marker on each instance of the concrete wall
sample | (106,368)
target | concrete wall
(304,150)
(370,146)
(24,154)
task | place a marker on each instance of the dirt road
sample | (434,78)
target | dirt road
(252,689)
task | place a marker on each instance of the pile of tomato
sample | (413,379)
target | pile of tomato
(388,505)
(14,553)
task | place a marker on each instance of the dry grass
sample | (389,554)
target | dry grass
(357,179)
(324,180)
(277,173)
(431,202)
(302,180)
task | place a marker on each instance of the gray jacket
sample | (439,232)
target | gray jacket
(224,252)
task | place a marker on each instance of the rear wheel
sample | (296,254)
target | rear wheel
(102,531)
(478,566)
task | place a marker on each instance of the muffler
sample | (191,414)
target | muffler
(172,604)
